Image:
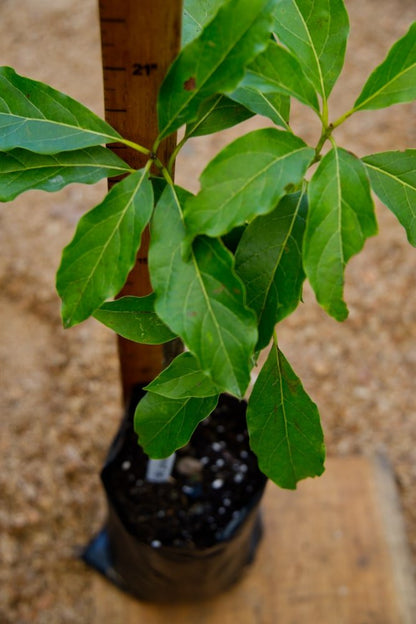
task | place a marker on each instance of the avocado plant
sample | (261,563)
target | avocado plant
(229,263)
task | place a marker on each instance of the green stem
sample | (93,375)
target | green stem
(325,112)
(148,165)
(326,134)
(343,118)
(175,152)
(135,146)
(165,172)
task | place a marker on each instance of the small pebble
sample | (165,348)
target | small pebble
(188,466)
(221,511)
(226,501)
(204,461)
(161,513)
(244,454)
(125,465)
(220,462)
(217,484)
(239,477)
(155,543)
(216,446)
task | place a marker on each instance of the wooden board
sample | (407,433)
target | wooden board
(334,552)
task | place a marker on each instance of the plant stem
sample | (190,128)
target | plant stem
(326,133)
(164,172)
(135,146)
(174,154)
(325,112)
(343,118)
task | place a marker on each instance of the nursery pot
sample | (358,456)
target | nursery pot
(191,536)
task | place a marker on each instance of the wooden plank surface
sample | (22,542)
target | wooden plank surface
(334,552)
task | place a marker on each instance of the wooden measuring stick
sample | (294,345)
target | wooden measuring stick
(139,40)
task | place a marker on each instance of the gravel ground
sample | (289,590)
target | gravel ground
(60,400)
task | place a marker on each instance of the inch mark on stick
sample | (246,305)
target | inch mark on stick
(113,20)
(140,69)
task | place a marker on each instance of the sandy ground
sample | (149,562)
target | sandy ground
(60,399)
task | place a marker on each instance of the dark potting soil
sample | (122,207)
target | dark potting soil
(212,484)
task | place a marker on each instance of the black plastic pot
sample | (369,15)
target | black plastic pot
(191,537)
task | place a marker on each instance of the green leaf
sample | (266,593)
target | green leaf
(201,299)
(164,425)
(316,32)
(393,178)
(40,119)
(97,261)
(197,13)
(134,318)
(183,379)
(277,70)
(214,62)
(340,218)
(21,170)
(283,424)
(275,106)
(246,179)
(393,81)
(217,113)
(269,261)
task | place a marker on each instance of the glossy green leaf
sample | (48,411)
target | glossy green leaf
(183,379)
(393,178)
(36,117)
(201,299)
(216,114)
(275,106)
(316,32)
(214,62)
(21,170)
(246,179)
(269,261)
(165,425)
(134,318)
(393,81)
(340,218)
(197,13)
(97,261)
(277,70)
(283,424)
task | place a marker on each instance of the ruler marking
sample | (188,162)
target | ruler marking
(113,20)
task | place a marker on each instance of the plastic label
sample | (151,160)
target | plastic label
(159,470)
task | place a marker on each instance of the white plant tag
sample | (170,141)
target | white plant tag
(159,470)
